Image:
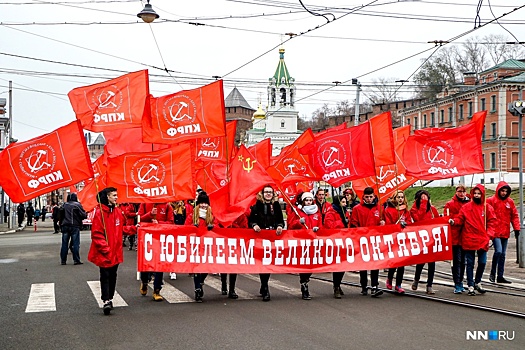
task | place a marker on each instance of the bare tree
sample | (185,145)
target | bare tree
(435,74)
(344,108)
(498,49)
(383,90)
(471,56)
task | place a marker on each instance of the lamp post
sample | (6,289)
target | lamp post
(358,89)
(147,14)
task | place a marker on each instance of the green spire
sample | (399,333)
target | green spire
(281,71)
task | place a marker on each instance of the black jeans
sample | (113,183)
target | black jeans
(233,279)
(337,277)
(430,272)
(399,275)
(374,278)
(108,282)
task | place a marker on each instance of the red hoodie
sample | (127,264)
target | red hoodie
(452,209)
(106,245)
(505,211)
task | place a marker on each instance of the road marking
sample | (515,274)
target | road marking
(95,289)
(174,296)
(41,298)
(216,284)
(8,261)
(277,285)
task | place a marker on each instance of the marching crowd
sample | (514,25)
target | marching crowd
(474,223)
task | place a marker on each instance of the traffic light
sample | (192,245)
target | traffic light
(517,107)
(3,102)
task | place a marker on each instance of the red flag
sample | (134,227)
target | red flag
(444,154)
(45,163)
(247,177)
(220,148)
(389,178)
(114,104)
(185,115)
(262,151)
(212,176)
(155,177)
(292,167)
(382,139)
(88,196)
(127,141)
(339,127)
(341,156)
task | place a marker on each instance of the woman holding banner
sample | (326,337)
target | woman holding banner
(201,217)
(396,212)
(338,217)
(310,218)
(422,209)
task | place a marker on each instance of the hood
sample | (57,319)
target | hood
(482,189)
(102,197)
(503,184)
(72,197)
(336,200)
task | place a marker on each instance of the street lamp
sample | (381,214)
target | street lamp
(147,14)
(358,89)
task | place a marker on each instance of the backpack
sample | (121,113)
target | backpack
(37,212)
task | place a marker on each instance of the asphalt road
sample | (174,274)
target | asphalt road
(286,322)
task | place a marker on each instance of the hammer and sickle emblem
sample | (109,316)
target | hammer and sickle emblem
(37,164)
(105,99)
(249,165)
(436,158)
(144,178)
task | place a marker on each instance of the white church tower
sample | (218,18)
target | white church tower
(279,122)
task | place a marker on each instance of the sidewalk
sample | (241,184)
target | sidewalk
(46,225)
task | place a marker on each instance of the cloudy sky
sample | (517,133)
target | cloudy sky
(48,48)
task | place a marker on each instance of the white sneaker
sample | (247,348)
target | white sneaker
(173,276)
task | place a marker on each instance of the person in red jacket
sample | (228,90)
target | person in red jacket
(201,217)
(422,209)
(106,244)
(366,214)
(156,213)
(310,218)
(322,204)
(396,213)
(507,215)
(337,217)
(478,221)
(452,209)
(130,230)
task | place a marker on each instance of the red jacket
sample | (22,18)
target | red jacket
(310,220)
(393,215)
(323,208)
(164,213)
(241,221)
(365,215)
(477,230)
(202,222)
(505,211)
(332,219)
(106,245)
(422,213)
(452,209)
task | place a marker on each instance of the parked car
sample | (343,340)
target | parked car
(86,223)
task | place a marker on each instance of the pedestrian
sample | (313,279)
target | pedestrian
(338,217)
(44,212)
(322,204)
(156,213)
(6,212)
(507,216)
(106,249)
(74,213)
(478,223)
(422,209)
(130,211)
(452,209)
(397,213)
(201,217)
(30,212)
(310,218)
(37,214)
(55,215)
(368,214)
(351,199)
(20,212)
(266,214)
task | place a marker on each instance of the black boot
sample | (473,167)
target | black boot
(224,287)
(304,291)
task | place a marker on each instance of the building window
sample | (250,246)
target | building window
(514,129)
(493,104)
(484,163)
(424,120)
(450,114)
(442,116)
(460,112)
(493,127)
(282,123)
(483,134)
(495,75)
(415,123)
(408,121)
(432,119)
(470,109)
(492,161)
(483,104)
(514,160)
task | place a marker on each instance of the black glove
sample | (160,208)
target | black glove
(516,233)
(403,224)
(210,227)
(196,225)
